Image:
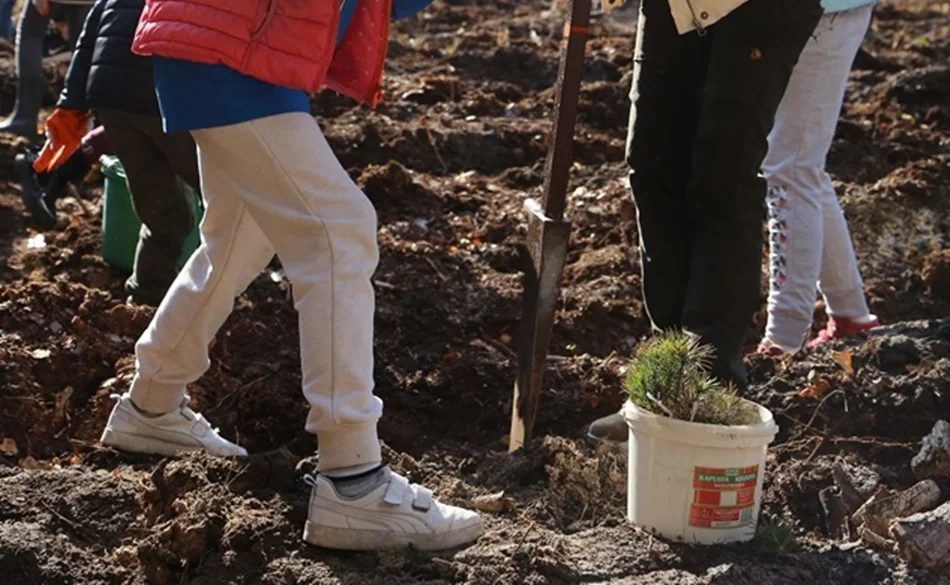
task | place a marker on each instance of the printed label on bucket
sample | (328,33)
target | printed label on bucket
(723,498)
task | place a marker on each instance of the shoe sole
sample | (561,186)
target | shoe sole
(353,539)
(142,444)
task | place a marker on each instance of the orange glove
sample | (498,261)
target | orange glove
(64,131)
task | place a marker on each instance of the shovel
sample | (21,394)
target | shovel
(548,232)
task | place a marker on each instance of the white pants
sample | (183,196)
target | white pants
(274,183)
(810,243)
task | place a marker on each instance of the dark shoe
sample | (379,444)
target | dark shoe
(609,428)
(32,194)
(135,301)
(140,299)
(143,296)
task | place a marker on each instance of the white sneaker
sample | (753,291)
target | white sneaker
(393,515)
(171,434)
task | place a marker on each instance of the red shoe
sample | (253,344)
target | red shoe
(840,328)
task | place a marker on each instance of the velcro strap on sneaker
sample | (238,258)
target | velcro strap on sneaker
(396,492)
(423,500)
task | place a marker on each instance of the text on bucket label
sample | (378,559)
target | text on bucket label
(723,498)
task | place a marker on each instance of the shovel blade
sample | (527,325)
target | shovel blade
(547,249)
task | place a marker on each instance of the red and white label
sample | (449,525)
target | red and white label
(723,498)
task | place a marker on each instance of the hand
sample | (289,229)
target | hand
(64,131)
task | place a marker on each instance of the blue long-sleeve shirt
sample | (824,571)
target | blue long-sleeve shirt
(193,96)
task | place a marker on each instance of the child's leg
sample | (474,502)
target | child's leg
(173,350)
(800,188)
(153,417)
(841,283)
(166,213)
(324,230)
(795,170)
(840,280)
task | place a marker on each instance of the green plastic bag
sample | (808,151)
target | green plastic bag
(121,225)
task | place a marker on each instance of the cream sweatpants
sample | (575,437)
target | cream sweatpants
(273,184)
(810,244)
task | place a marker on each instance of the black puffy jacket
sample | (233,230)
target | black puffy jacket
(103,72)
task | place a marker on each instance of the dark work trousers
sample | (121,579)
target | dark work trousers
(703,106)
(153,162)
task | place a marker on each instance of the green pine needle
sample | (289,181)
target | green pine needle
(669,377)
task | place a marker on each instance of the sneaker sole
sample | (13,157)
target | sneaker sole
(142,444)
(353,539)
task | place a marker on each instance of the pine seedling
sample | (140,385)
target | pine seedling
(722,406)
(669,377)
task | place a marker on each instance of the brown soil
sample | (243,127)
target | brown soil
(448,171)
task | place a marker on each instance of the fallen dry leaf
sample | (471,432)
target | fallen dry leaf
(31,464)
(816,389)
(494,503)
(843,359)
(8,447)
(40,354)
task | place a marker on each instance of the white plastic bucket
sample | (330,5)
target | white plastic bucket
(696,482)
